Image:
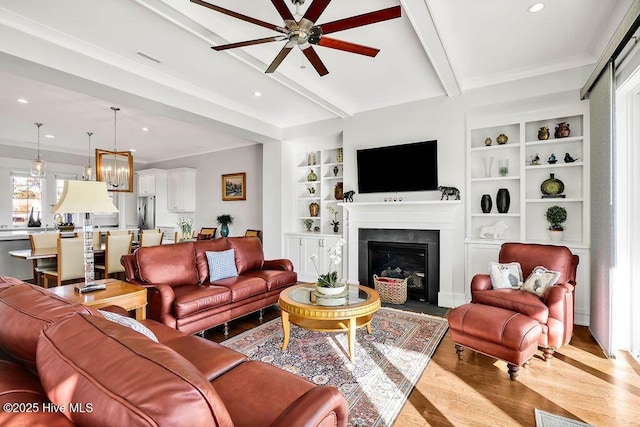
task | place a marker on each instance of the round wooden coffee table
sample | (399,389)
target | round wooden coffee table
(300,305)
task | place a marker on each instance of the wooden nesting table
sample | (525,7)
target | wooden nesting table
(118,292)
(300,306)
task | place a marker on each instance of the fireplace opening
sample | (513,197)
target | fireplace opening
(400,253)
(401,261)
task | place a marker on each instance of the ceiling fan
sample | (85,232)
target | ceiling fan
(304,32)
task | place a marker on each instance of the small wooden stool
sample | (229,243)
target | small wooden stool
(495,332)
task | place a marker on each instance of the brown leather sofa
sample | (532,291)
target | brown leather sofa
(180,294)
(63,364)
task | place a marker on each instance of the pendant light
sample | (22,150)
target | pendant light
(39,166)
(115,167)
(88,174)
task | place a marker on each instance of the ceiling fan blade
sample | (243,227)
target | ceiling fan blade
(313,57)
(276,62)
(247,43)
(360,20)
(348,46)
(240,16)
(283,10)
(316,9)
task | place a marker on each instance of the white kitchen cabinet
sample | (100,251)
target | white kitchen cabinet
(181,190)
(300,248)
(146,182)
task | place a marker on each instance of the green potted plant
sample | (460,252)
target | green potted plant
(224,221)
(556,215)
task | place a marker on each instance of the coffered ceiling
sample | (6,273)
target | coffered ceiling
(73,59)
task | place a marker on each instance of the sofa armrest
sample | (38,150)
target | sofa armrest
(481,282)
(116,309)
(130,267)
(559,299)
(160,298)
(277,264)
(322,405)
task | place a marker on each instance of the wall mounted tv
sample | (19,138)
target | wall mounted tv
(405,167)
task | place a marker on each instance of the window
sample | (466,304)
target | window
(26,193)
(60,179)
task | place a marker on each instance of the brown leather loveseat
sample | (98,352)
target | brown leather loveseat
(179,290)
(64,364)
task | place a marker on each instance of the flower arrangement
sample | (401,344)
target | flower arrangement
(186,227)
(225,219)
(330,279)
(335,223)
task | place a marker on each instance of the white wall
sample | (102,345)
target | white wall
(209,204)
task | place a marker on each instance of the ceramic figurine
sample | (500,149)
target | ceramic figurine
(535,160)
(568,158)
(487,141)
(552,159)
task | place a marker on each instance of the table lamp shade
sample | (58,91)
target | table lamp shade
(84,197)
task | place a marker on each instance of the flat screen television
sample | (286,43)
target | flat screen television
(405,167)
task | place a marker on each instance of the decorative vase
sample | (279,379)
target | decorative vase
(331,291)
(503,167)
(339,155)
(502,139)
(556,235)
(486,203)
(503,200)
(562,130)
(487,141)
(488,162)
(335,228)
(312,176)
(543,133)
(224,230)
(314,209)
(335,171)
(337,191)
(552,187)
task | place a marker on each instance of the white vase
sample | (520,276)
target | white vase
(488,162)
(556,235)
(331,291)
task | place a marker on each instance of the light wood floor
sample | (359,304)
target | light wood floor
(579,383)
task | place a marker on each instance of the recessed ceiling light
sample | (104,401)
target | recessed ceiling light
(145,129)
(49,136)
(23,101)
(536,7)
(257,93)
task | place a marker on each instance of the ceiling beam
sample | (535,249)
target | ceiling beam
(422,21)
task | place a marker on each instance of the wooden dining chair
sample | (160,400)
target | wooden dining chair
(118,232)
(209,230)
(254,233)
(70,261)
(151,237)
(97,238)
(43,241)
(116,246)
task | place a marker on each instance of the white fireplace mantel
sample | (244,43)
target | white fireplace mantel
(411,215)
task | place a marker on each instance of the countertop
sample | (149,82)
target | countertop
(23,232)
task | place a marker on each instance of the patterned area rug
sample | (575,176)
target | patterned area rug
(547,419)
(387,364)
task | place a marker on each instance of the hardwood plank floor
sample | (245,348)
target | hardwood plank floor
(579,383)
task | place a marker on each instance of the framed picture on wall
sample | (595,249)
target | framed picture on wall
(234,186)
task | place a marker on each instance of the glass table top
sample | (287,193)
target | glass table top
(308,295)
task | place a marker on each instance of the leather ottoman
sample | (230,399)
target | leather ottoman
(495,332)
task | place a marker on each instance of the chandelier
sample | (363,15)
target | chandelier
(115,167)
(39,166)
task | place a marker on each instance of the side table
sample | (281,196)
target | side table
(118,292)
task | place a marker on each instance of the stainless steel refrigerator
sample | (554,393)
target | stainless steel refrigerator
(146,212)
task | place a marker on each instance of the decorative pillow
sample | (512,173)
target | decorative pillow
(129,322)
(222,264)
(540,280)
(505,276)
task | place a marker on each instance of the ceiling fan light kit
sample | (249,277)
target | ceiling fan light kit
(304,33)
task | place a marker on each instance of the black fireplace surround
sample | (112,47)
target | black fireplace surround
(402,253)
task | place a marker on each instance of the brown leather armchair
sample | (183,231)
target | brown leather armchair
(554,310)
